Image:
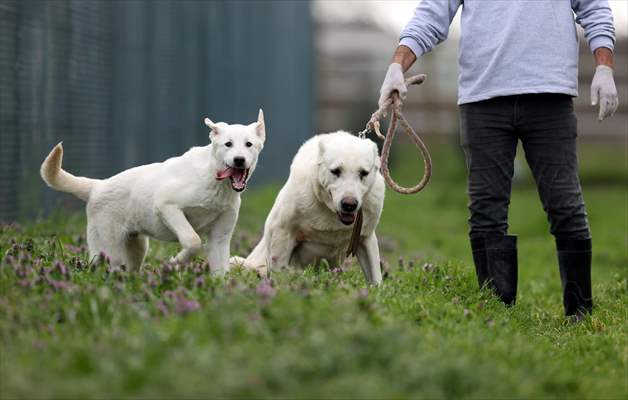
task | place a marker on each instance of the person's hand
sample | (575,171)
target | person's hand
(394,80)
(603,90)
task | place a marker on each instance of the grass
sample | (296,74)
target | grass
(69,328)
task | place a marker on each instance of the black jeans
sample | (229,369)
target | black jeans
(546,125)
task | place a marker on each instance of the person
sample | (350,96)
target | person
(518,67)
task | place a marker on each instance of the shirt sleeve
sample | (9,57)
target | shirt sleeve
(596,18)
(429,26)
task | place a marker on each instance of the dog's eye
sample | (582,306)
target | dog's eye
(336,171)
(249,144)
(363,173)
(229,144)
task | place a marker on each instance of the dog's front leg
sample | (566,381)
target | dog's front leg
(220,241)
(368,256)
(280,248)
(175,220)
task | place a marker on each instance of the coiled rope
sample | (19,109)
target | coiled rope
(394,102)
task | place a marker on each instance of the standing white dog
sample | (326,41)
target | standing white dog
(177,199)
(332,177)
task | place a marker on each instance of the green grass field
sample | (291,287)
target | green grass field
(69,328)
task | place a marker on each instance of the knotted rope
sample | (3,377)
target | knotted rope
(394,102)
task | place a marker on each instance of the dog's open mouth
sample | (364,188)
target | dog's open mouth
(347,218)
(238,177)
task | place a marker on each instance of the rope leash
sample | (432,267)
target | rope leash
(394,102)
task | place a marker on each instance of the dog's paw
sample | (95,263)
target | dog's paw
(237,262)
(175,263)
(218,272)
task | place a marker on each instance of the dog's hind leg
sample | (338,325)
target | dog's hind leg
(94,242)
(136,247)
(104,240)
(255,261)
(279,250)
(257,258)
(175,220)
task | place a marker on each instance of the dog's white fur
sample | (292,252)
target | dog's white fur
(304,227)
(178,199)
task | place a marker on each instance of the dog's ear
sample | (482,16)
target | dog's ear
(213,126)
(321,149)
(210,124)
(261,126)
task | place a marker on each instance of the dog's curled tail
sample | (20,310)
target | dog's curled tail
(55,177)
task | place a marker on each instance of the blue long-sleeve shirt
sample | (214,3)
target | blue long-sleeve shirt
(512,47)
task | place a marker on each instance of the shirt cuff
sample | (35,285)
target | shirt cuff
(413,45)
(601,41)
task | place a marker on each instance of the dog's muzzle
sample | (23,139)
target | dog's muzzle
(348,210)
(238,177)
(346,218)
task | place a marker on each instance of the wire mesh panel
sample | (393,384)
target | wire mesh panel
(56,84)
(128,82)
(9,145)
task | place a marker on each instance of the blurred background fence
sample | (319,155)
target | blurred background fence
(124,83)
(128,82)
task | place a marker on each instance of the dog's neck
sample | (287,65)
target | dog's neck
(207,164)
(213,163)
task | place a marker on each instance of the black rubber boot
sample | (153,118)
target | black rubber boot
(495,259)
(574,261)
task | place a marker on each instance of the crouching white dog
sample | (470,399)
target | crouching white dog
(332,177)
(177,199)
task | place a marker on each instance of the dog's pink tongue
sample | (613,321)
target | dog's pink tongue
(225,173)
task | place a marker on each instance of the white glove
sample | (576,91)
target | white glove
(394,80)
(603,90)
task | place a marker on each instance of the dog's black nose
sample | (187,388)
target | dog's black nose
(238,162)
(349,204)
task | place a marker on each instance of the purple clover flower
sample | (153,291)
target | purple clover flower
(183,305)
(265,289)
(102,256)
(60,285)
(60,267)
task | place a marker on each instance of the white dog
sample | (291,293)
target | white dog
(177,199)
(332,177)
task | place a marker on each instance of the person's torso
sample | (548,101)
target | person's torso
(514,47)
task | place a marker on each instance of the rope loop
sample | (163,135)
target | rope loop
(394,103)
